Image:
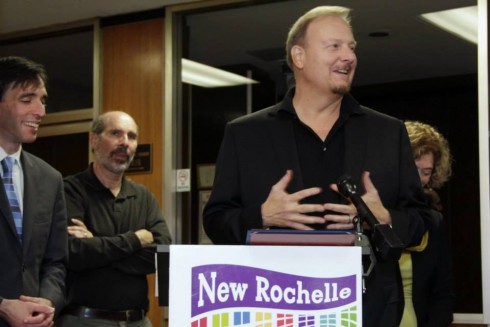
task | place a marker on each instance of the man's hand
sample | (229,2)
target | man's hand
(342,216)
(373,201)
(145,237)
(347,212)
(39,318)
(79,230)
(27,312)
(282,209)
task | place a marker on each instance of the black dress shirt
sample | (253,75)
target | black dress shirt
(109,270)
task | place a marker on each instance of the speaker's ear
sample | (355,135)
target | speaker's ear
(297,56)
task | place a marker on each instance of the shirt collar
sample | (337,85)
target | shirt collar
(15,155)
(348,107)
(127,189)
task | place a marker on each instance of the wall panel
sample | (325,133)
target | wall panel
(132,70)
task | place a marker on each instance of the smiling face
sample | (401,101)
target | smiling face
(327,58)
(114,148)
(21,110)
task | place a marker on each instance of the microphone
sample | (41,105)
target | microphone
(385,240)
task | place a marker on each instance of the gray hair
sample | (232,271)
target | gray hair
(99,123)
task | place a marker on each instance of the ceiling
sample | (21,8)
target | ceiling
(413,50)
(19,15)
(256,34)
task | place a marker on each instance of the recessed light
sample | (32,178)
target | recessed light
(380,33)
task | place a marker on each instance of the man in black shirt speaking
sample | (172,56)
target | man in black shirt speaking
(276,167)
(115,224)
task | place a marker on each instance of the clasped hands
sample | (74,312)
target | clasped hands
(27,311)
(282,209)
(80,230)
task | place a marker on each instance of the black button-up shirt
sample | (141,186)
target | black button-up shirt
(321,161)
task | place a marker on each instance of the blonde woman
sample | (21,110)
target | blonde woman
(426,269)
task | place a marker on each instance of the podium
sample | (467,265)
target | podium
(317,238)
(269,285)
(163,274)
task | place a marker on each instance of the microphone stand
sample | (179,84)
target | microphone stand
(368,256)
(387,243)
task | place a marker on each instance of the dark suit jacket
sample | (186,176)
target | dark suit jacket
(432,294)
(37,268)
(258,149)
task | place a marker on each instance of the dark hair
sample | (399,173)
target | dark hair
(19,71)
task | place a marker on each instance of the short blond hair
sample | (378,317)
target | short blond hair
(427,139)
(297,32)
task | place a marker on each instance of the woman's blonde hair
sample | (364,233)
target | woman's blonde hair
(426,139)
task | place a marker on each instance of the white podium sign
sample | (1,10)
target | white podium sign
(225,286)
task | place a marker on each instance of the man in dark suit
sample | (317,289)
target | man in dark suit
(33,246)
(277,168)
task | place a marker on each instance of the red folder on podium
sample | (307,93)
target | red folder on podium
(297,237)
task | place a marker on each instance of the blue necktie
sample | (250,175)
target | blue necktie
(8,183)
